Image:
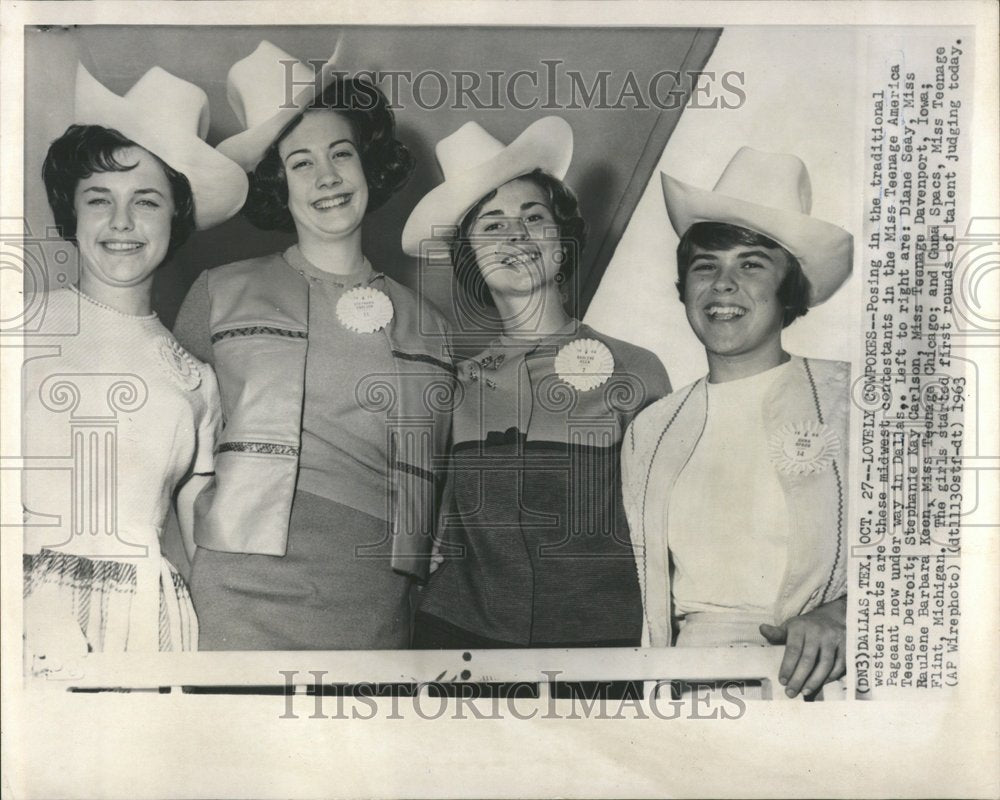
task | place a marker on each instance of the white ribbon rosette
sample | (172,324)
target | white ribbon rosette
(364,309)
(803,448)
(180,366)
(585,364)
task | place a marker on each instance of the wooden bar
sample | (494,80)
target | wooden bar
(286,669)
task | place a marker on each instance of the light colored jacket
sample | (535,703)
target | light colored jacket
(806,414)
(259,320)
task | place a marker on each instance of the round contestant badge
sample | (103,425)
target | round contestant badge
(585,364)
(803,448)
(364,309)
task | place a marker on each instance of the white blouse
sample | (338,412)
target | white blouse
(728,521)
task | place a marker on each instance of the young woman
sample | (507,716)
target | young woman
(537,552)
(737,482)
(107,388)
(336,384)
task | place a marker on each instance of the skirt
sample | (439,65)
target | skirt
(98,596)
(722,629)
(334,589)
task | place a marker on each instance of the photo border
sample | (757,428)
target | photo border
(890,748)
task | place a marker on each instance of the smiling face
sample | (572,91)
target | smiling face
(327,190)
(123,222)
(731,300)
(516,241)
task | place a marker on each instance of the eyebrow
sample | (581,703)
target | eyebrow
(105,190)
(332,144)
(757,254)
(711,256)
(524,207)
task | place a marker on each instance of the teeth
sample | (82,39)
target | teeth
(725,312)
(523,258)
(332,202)
(122,246)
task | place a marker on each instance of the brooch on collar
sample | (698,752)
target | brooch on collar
(364,309)
(803,448)
(180,366)
(584,364)
(476,367)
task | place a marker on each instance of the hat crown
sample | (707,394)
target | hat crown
(468,147)
(474,163)
(172,104)
(771,195)
(170,101)
(774,180)
(266,81)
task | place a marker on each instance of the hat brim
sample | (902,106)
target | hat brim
(545,144)
(219,186)
(825,251)
(247,147)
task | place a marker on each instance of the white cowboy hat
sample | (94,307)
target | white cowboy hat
(168,117)
(473,163)
(259,89)
(771,194)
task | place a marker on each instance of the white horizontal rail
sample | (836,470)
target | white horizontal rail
(287,668)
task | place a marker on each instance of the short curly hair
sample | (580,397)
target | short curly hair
(386,161)
(84,150)
(566,212)
(793,293)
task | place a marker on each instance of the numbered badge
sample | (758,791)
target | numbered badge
(364,309)
(585,364)
(803,448)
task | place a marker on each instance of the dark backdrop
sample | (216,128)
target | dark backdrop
(616,149)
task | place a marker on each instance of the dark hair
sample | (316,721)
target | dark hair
(793,293)
(566,212)
(87,149)
(386,161)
